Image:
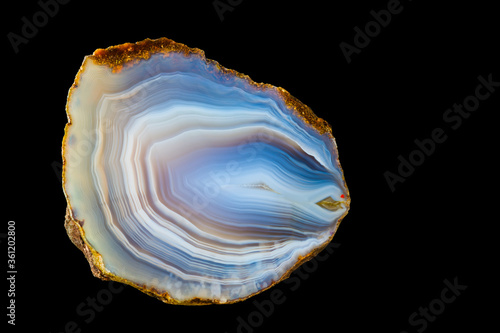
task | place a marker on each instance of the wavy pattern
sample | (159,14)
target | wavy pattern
(196,183)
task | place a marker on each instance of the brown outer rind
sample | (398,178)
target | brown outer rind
(116,57)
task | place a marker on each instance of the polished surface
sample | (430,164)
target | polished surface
(192,182)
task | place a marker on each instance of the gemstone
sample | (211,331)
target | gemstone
(190,181)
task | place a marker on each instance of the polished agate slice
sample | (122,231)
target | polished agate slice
(191,182)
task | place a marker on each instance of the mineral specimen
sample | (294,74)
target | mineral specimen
(191,182)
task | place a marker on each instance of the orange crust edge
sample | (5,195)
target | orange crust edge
(128,54)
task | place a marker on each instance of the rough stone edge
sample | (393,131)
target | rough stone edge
(127,54)
(73,229)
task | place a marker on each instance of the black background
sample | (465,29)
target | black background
(396,248)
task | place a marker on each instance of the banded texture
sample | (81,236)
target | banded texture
(193,183)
